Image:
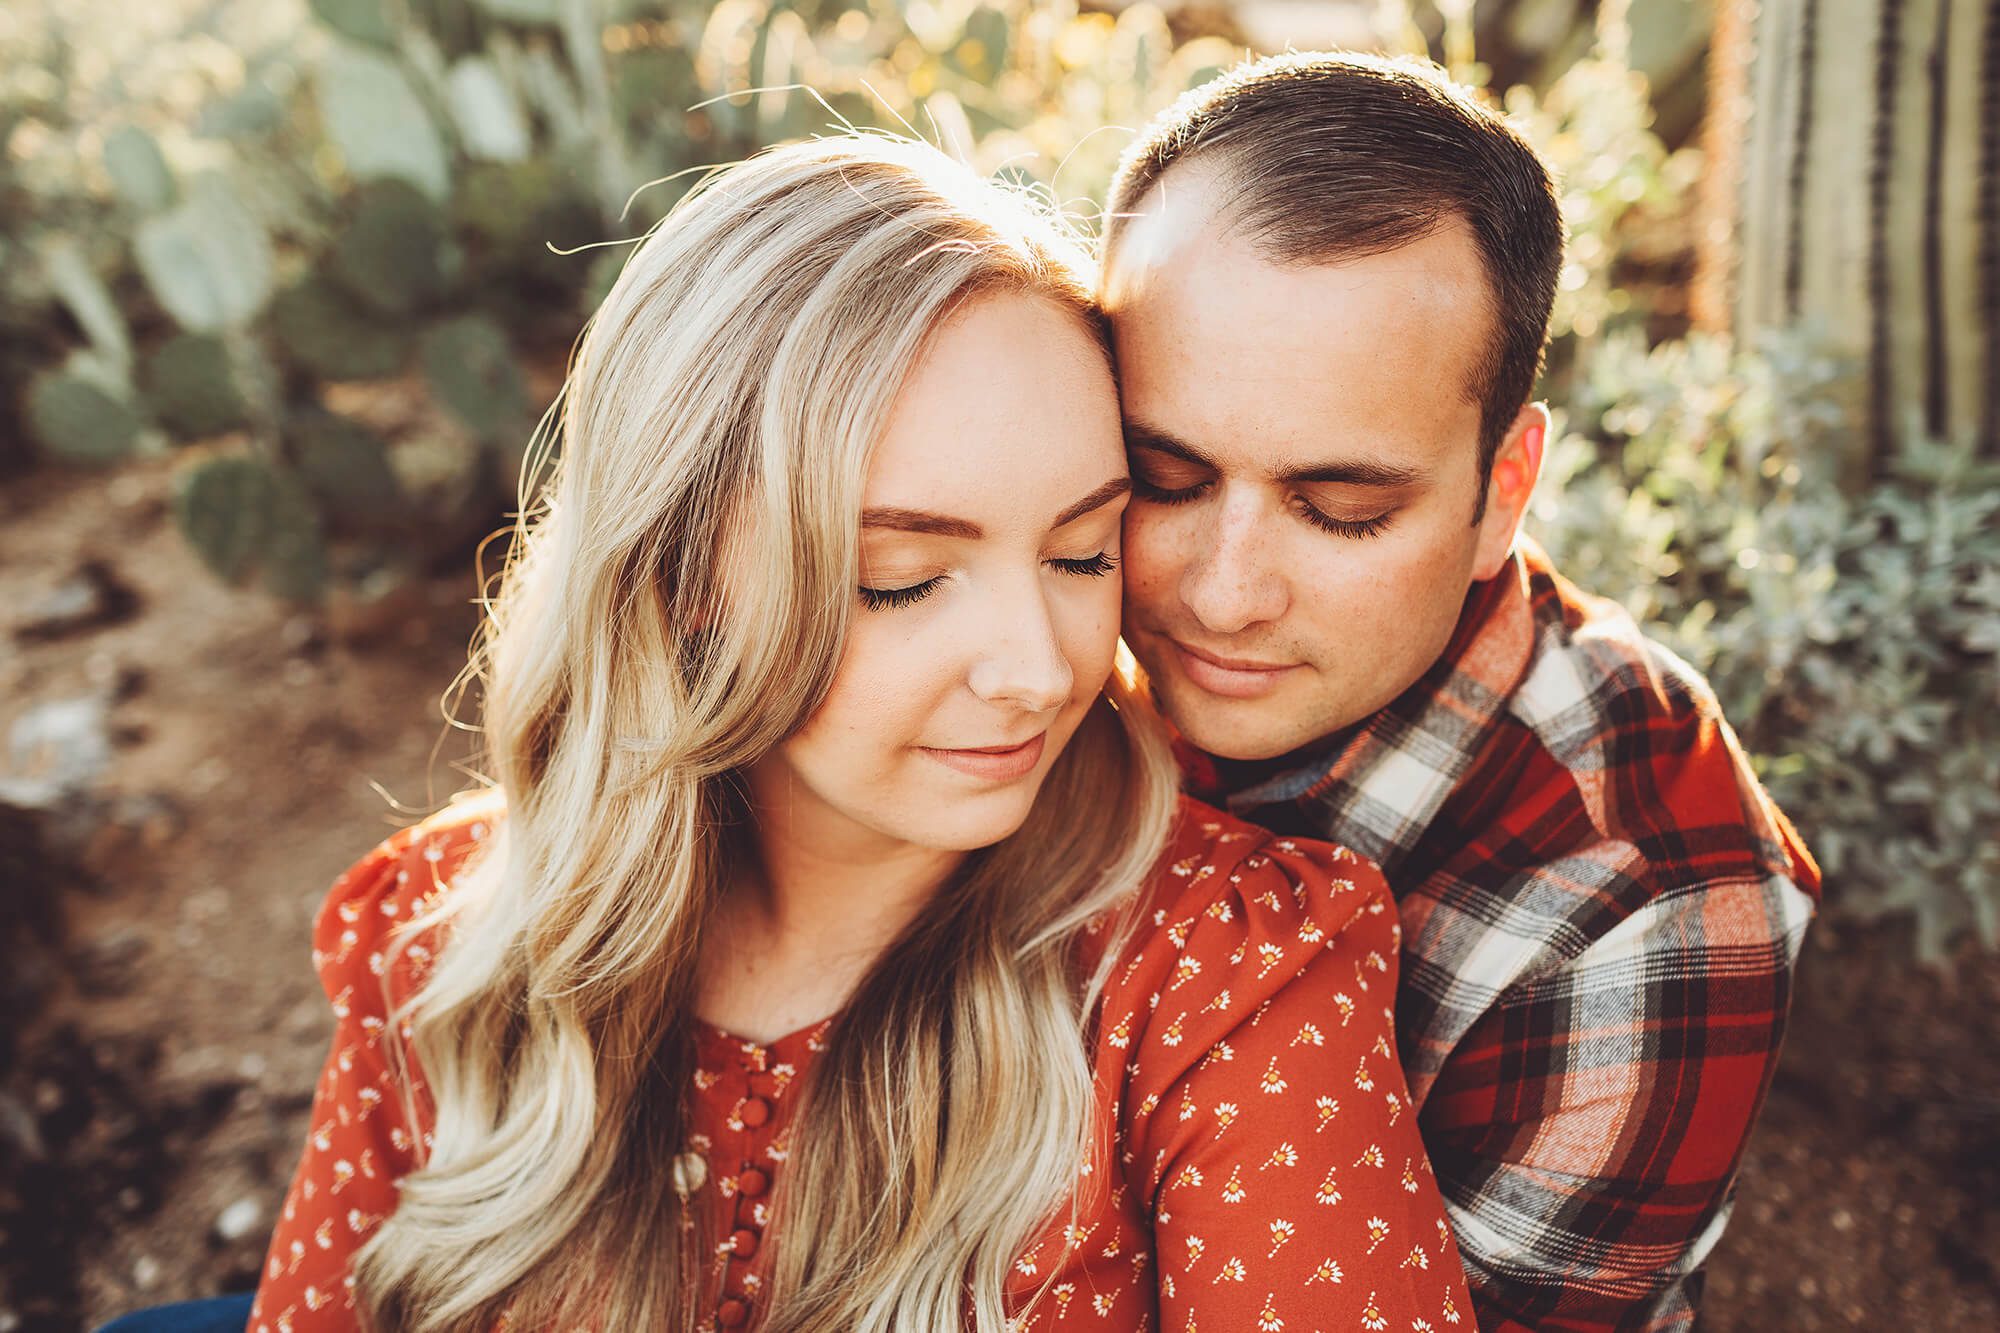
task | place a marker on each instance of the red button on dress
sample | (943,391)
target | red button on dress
(752,1183)
(755,1111)
(743,1242)
(733,1313)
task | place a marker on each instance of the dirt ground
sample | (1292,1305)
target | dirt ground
(164,1027)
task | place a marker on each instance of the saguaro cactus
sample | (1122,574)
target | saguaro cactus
(1860,146)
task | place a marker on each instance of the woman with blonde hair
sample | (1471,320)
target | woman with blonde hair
(831,949)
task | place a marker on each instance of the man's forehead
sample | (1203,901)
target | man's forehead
(1178,216)
(1210,330)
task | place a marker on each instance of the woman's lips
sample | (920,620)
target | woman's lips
(993,764)
(1233,678)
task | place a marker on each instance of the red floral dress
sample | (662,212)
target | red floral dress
(1263,1169)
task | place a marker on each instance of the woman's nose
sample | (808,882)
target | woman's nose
(1022,662)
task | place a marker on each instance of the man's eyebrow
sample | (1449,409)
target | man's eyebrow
(1138,435)
(1359,472)
(916,520)
(1097,499)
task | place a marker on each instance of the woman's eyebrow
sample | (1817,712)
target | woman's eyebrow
(916,520)
(1097,499)
(944,525)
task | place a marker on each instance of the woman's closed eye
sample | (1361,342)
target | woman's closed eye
(885,599)
(1095,566)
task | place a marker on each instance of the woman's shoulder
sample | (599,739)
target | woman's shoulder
(1215,861)
(395,882)
(1248,938)
(1234,913)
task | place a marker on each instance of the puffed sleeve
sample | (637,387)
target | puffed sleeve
(360,1140)
(1266,1115)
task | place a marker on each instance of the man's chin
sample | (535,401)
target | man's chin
(1246,730)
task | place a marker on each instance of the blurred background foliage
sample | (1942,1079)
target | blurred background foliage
(220,222)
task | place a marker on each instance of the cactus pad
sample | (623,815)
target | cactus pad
(189,384)
(76,419)
(391,255)
(325,332)
(472,370)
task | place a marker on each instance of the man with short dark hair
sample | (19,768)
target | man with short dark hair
(1329,279)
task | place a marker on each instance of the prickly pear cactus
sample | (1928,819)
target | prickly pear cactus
(295,563)
(346,468)
(498,202)
(207,260)
(76,418)
(472,369)
(379,122)
(188,382)
(364,21)
(138,170)
(392,256)
(324,332)
(245,516)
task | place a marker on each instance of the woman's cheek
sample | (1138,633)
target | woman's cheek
(870,695)
(1155,553)
(1091,635)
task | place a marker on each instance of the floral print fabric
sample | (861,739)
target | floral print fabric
(1258,1163)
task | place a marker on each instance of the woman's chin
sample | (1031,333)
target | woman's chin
(969,822)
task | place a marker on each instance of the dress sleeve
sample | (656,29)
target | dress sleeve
(1269,1126)
(360,1141)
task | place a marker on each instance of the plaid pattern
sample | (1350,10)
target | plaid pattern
(1601,912)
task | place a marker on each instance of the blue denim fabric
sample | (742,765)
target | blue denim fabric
(218,1314)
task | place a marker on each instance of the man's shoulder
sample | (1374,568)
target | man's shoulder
(1615,789)
(1641,734)
(1590,655)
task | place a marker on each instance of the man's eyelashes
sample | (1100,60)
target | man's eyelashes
(1325,522)
(1146,490)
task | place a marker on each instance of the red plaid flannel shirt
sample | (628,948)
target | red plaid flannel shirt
(1601,913)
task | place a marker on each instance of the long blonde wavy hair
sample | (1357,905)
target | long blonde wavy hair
(673,608)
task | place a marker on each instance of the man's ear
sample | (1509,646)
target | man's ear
(1516,467)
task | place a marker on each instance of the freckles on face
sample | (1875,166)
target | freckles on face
(987,616)
(1304,446)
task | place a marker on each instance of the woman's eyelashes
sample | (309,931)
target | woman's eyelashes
(1094,566)
(1311,513)
(885,599)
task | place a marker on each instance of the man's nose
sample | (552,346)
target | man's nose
(1234,579)
(1022,662)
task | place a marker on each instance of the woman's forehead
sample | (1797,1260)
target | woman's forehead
(1009,418)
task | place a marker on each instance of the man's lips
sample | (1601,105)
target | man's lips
(1231,677)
